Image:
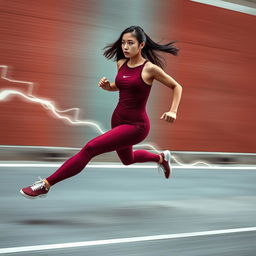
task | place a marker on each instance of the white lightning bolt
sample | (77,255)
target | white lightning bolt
(47,104)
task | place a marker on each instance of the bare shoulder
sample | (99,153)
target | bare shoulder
(153,70)
(157,71)
(147,73)
(149,67)
(120,63)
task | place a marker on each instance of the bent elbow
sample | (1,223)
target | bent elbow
(178,86)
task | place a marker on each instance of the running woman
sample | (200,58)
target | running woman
(138,66)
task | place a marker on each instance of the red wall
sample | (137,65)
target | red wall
(35,44)
(216,67)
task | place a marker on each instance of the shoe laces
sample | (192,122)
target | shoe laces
(38,184)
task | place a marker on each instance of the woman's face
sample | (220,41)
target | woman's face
(130,45)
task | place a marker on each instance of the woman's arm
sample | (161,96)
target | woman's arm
(162,77)
(168,81)
(106,85)
(113,87)
(119,63)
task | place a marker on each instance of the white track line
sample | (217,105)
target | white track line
(136,166)
(123,240)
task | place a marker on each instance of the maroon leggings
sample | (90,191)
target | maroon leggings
(120,138)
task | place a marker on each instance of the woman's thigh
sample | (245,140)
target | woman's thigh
(118,137)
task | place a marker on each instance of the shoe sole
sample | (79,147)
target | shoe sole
(32,197)
(168,157)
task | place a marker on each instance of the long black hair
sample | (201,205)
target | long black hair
(115,51)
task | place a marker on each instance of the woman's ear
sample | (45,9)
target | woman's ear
(142,44)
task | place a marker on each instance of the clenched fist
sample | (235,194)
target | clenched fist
(104,84)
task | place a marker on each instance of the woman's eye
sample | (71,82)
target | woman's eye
(128,43)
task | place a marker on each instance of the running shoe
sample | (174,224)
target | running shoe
(38,189)
(165,166)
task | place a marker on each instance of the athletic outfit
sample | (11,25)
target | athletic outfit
(130,125)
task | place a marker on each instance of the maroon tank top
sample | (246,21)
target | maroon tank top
(133,95)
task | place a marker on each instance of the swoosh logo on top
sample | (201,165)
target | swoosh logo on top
(126,76)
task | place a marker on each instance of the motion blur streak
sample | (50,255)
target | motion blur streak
(4,94)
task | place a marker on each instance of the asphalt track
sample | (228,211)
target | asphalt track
(104,207)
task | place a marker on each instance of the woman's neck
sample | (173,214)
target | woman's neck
(136,60)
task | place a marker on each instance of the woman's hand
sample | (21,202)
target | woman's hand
(104,84)
(169,116)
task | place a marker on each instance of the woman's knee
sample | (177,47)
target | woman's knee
(127,161)
(126,155)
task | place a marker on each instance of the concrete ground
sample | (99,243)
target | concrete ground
(123,202)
